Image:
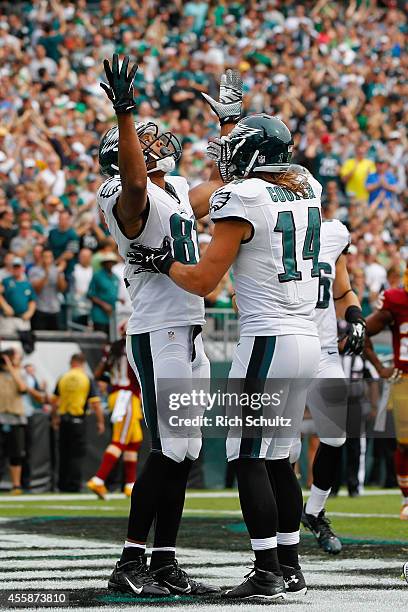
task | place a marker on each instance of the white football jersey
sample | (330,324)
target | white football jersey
(157,302)
(276,274)
(334,239)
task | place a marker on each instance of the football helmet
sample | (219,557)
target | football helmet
(258,143)
(163,159)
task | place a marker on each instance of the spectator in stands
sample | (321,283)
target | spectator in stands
(17,300)
(382,185)
(81,278)
(7,227)
(24,241)
(48,281)
(326,163)
(103,292)
(64,242)
(12,417)
(355,171)
(7,267)
(74,391)
(54,177)
(89,232)
(107,247)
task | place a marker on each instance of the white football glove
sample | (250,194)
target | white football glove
(229,107)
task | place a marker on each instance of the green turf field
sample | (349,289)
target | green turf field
(69,543)
(370,516)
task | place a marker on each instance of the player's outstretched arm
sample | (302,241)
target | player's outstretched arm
(228,110)
(201,278)
(132,167)
(348,307)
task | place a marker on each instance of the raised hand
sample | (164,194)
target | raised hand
(120,89)
(228,108)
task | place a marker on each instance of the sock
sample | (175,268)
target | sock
(107,465)
(169,512)
(146,494)
(325,466)
(259,510)
(130,456)
(267,560)
(129,468)
(290,505)
(317,500)
(266,557)
(401,468)
(405,500)
(162,557)
(288,545)
(132,552)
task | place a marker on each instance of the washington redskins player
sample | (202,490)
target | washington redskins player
(393,313)
(124,403)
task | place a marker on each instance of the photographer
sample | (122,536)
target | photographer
(12,418)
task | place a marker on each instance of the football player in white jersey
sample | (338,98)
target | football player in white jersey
(164,331)
(327,398)
(267,226)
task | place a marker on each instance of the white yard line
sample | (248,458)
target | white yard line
(190,495)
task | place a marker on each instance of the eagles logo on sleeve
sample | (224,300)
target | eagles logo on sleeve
(110,187)
(219,200)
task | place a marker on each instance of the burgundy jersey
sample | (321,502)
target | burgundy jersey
(396,301)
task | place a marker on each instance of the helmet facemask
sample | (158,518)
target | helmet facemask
(169,153)
(163,159)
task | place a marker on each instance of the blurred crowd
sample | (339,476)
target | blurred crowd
(334,72)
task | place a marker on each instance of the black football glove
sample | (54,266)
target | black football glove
(228,108)
(149,259)
(354,344)
(120,89)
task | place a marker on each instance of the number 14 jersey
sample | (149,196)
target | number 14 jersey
(276,273)
(157,302)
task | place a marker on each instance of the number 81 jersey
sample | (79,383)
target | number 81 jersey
(157,302)
(276,272)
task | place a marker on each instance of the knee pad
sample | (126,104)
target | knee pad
(175,448)
(295,450)
(115,449)
(130,456)
(279,449)
(194,448)
(336,442)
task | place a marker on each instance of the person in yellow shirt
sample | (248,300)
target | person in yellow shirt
(354,173)
(74,391)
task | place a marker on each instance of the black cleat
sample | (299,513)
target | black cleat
(134,578)
(294,580)
(178,582)
(259,584)
(320,527)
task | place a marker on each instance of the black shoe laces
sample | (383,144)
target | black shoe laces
(140,569)
(323,525)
